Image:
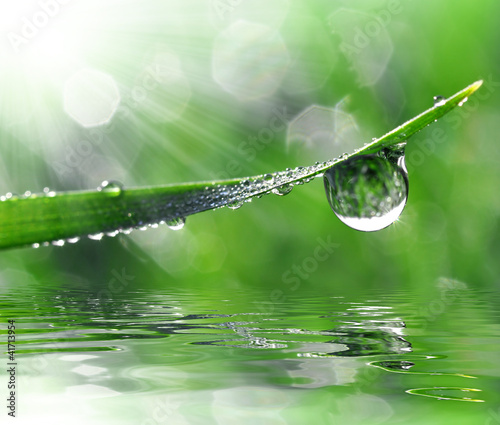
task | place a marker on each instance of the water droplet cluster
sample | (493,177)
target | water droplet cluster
(172,208)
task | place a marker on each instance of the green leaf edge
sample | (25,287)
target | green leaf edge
(41,218)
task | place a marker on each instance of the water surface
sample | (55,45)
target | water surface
(178,357)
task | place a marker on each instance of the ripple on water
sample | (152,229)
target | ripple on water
(152,343)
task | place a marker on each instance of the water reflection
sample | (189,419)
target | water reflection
(219,351)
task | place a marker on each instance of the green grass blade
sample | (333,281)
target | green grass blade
(56,217)
(409,128)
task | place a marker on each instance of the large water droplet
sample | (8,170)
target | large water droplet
(368,192)
(176,223)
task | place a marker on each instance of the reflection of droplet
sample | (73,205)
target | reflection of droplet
(439,100)
(176,223)
(368,192)
(396,364)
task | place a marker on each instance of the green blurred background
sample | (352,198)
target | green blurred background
(157,92)
(176,91)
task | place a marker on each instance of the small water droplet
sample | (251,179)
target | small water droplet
(439,100)
(73,240)
(235,205)
(113,233)
(359,190)
(35,245)
(27,194)
(176,223)
(465,99)
(96,236)
(111,186)
(268,177)
(59,242)
(283,190)
(46,190)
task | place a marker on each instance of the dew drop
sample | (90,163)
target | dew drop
(465,99)
(112,187)
(35,245)
(59,242)
(368,192)
(73,240)
(96,236)
(235,205)
(439,100)
(283,190)
(176,223)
